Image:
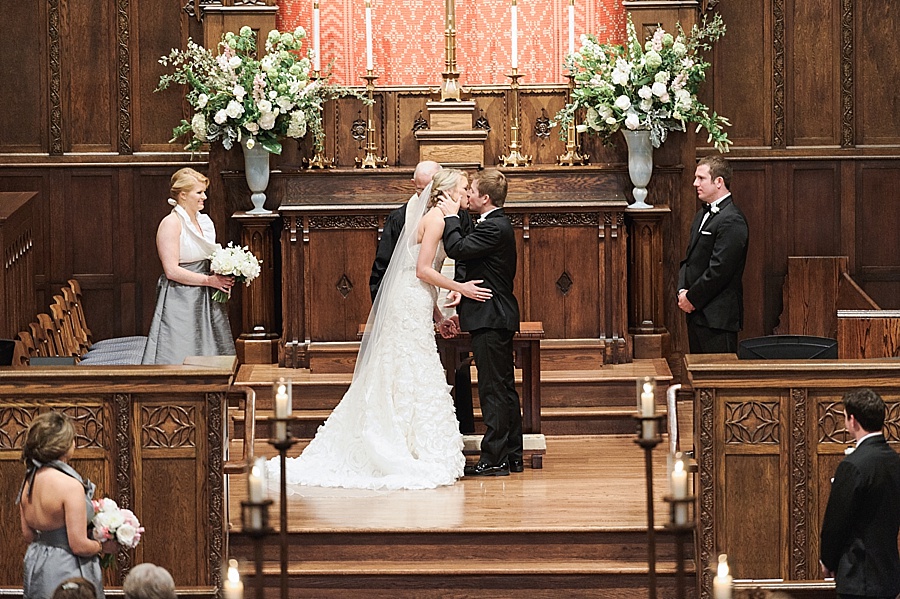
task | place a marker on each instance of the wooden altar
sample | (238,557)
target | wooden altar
(769,435)
(571,236)
(152,438)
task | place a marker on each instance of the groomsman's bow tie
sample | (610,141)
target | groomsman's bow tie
(707,207)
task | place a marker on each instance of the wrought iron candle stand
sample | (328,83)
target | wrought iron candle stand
(371,160)
(681,525)
(648,439)
(319,160)
(255,523)
(515,158)
(571,157)
(283,445)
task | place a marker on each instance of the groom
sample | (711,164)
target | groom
(489,253)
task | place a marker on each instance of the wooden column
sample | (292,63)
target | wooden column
(647,292)
(258,341)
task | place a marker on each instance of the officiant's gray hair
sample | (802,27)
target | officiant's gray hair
(149,581)
(444,181)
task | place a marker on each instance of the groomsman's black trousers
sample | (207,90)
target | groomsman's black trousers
(500,408)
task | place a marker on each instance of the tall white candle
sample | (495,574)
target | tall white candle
(232,587)
(282,410)
(317,61)
(369,64)
(722,581)
(679,490)
(648,409)
(514,16)
(255,487)
(571,26)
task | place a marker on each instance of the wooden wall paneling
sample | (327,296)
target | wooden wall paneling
(292,351)
(89,76)
(23,120)
(751,186)
(410,106)
(494,105)
(153,34)
(814,190)
(349,111)
(813,90)
(17,250)
(340,254)
(876,51)
(536,111)
(877,218)
(582,313)
(740,83)
(150,189)
(30,180)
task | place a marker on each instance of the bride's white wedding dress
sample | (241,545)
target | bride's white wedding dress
(395,428)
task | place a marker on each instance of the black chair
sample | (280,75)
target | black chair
(7,349)
(787,347)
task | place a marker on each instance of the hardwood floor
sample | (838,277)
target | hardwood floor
(588,482)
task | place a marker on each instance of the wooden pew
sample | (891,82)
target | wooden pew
(769,435)
(151,437)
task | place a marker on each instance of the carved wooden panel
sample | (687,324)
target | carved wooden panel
(166,426)
(815,198)
(876,51)
(23,120)
(813,72)
(753,422)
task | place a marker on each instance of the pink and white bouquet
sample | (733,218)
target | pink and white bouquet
(114,523)
(236,261)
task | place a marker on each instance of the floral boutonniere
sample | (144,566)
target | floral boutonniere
(714,209)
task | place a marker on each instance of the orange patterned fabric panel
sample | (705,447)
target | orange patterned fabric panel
(408,37)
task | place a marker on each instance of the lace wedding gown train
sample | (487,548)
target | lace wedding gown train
(395,428)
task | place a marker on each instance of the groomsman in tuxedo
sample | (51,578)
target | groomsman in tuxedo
(489,253)
(710,289)
(862,519)
(393,225)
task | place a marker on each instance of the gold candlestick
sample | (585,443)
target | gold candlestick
(572,157)
(450,90)
(515,158)
(370,160)
(319,160)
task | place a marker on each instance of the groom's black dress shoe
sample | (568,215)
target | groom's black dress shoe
(516,465)
(482,469)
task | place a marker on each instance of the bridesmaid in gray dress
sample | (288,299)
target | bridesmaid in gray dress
(55,508)
(187,321)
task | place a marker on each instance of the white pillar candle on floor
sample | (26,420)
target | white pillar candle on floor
(232,587)
(317,61)
(515,35)
(571,26)
(722,581)
(369,63)
(282,410)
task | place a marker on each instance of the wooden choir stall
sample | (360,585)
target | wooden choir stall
(152,438)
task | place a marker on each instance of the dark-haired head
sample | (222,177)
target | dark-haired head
(866,407)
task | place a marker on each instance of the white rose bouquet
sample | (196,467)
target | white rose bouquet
(235,261)
(111,522)
(235,95)
(650,86)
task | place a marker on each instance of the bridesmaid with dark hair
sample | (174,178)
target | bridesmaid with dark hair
(55,509)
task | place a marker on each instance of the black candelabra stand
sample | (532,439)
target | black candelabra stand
(255,522)
(681,525)
(283,443)
(648,439)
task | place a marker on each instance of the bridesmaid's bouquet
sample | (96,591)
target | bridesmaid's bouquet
(114,523)
(238,262)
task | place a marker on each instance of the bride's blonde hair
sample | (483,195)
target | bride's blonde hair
(443,180)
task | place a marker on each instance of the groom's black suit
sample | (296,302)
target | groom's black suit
(489,253)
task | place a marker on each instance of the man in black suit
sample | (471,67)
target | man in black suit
(862,519)
(710,290)
(489,253)
(393,225)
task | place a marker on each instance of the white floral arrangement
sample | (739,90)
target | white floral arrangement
(235,261)
(238,98)
(650,86)
(111,522)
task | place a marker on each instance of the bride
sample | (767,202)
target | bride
(395,428)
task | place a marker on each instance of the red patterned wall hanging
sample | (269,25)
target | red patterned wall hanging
(408,37)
